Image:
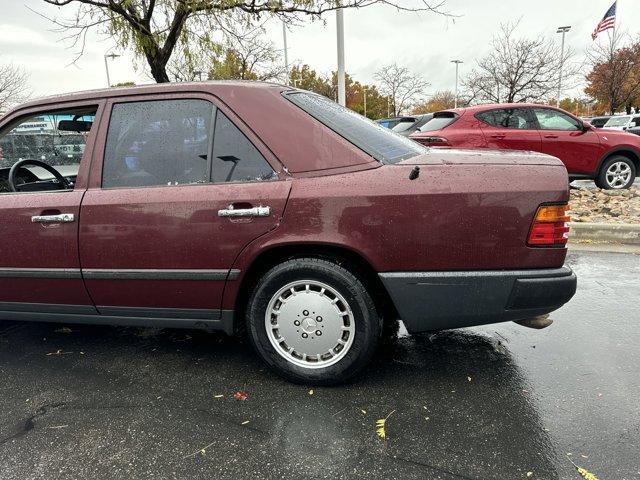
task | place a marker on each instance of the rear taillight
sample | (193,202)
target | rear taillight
(432,141)
(550,227)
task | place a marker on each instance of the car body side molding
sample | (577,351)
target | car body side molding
(129,316)
(120,274)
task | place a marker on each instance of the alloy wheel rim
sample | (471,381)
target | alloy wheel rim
(618,174)
(310,324)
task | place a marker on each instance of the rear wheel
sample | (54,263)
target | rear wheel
(313,321)
(617,172)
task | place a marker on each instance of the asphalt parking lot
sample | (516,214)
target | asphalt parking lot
(497,402)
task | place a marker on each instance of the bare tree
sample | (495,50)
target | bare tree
(248,56)
(13,86)
(154,28)
(520,69)
(403,87)
(614,80)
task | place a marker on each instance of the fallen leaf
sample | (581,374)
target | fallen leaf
(311,392)
(240,396)
(584,473)
(426,418)
(364,412)
(381,424)
(469,378)
(202,451)
(218,396)
(529,474)
(245,422)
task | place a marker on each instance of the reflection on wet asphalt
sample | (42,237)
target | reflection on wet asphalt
(496,402)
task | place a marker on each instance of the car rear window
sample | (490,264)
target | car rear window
(402,126)
(379,142)
(439,121)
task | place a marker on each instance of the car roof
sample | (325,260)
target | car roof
(215,87)
(492,106)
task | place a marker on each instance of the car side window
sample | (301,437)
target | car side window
(235,158)
(159,142)
(550,119)
(513,118)
(56,138)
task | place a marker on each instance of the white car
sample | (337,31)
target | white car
(623,122)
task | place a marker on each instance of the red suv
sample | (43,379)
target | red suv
(272,212)
(609,157)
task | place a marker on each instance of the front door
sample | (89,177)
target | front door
(39,263)
(510,129)
(564,136)
(184,188)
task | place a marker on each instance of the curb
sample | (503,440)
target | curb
(621,233)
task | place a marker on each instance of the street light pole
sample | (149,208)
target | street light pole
(342,98)
(286,50)
(364,90)
(457,62)
(106,65)
(563,31)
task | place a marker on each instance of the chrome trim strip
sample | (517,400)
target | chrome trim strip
(64,273)
(158,274)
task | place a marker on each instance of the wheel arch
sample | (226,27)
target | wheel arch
(344,256)
(624,151)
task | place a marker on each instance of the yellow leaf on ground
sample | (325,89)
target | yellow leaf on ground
(586,474)
(381,424)
(311,392)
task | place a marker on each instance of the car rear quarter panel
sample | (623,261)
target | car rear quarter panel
(452,217)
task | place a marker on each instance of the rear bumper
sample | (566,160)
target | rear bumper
(442,300)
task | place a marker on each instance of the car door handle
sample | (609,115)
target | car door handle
(551,136)
(61,218)
(498,135)
(259,211)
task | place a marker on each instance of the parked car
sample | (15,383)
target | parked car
(260,208)
(598,122)
(392,122)
(609,157)
(622,122)
(412,124)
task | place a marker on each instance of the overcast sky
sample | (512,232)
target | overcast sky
(374,36)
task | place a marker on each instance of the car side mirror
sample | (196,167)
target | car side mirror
(586,127)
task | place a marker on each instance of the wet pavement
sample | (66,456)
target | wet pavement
(496,402)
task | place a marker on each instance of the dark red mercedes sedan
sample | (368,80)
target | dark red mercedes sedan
(611,158)
(273,212)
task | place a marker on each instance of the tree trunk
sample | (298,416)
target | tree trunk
(159,71)
(158,66)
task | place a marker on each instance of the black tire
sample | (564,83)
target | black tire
(602,181)
(368,323)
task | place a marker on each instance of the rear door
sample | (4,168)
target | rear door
(510,128)
(39,265)
(563,136)
(182,187)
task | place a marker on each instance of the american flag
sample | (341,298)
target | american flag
(607,22)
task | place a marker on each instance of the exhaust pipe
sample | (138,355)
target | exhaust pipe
(539,322)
